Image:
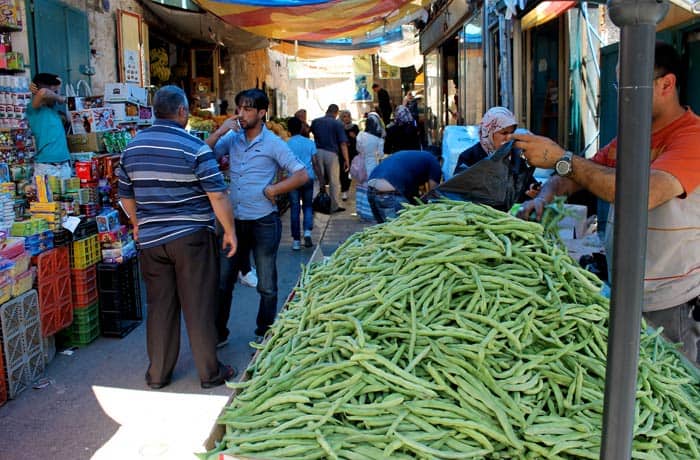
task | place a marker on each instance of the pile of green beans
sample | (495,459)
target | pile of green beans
(453,331)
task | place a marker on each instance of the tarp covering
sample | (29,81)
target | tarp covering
(315,20)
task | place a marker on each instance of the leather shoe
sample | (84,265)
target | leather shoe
(158,386)
(226,373)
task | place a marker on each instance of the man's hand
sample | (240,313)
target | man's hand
(539,151)
(230,242)
(33,88)
(230,124)
(269,193)
(537,205)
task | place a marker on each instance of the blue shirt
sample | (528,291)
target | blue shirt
(329,133)
(169,172)
(408,169)
(254,166)
(50,137)
(304,149)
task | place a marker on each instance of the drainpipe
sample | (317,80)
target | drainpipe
(637,21)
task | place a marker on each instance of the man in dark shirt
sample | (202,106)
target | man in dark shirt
(171,187)
(331,141)
(397,179)
(384,102)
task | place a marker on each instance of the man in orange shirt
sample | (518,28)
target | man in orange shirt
(672,275)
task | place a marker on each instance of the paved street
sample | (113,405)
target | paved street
(98,405)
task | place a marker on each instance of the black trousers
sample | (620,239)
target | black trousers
(181,276)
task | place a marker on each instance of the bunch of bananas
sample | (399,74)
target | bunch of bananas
(159,65)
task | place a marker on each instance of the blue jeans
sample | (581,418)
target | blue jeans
(300,199)
(385,205)
(262,236)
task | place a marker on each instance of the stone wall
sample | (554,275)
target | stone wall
(103,37)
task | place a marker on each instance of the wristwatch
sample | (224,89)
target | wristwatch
(563,166)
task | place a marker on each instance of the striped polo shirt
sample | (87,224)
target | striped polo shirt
(168,173)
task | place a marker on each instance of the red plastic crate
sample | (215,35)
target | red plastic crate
(86,296)
(85,275)
(55,304)
(84,287)
(55,262)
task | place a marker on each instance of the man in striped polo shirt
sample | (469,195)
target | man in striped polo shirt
(171,187)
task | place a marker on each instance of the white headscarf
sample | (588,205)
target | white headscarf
(495,119)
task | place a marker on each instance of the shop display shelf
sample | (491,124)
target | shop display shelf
(55,262)
(55,304)
(22,344)
(85,252)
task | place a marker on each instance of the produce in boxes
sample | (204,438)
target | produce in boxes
(453,331)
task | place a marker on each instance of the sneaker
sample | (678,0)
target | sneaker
(296,245)
(250,279)
(307,242)
(345,196)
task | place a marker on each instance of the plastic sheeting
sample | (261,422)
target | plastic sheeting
(316,21)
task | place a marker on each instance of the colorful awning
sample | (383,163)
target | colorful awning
(316,20)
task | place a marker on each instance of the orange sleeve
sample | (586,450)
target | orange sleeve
(602,157)
(681,157)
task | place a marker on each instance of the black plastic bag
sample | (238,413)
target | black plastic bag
(491,181)
(322,203)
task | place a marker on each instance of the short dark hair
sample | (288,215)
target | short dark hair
(46,79)
(255,97)
(375,85)
(294,125)
(168,101)
(667,60)
(333,108)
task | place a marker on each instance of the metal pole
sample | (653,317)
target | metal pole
(637,21)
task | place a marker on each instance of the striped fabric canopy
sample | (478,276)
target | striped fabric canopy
(316,20)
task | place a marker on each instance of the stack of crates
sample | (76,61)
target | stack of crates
(21,343)
(86,321)
(54,287)
(120,297)
(85,254)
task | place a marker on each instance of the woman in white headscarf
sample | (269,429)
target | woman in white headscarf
(496,125)
(370,142)
(370,149)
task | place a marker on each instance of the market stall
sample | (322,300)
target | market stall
(68,271)
(452,330)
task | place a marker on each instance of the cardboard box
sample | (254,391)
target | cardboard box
(81,121)
(103,119)
(91,142)
(125,92)
(84,102)
(124,111)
